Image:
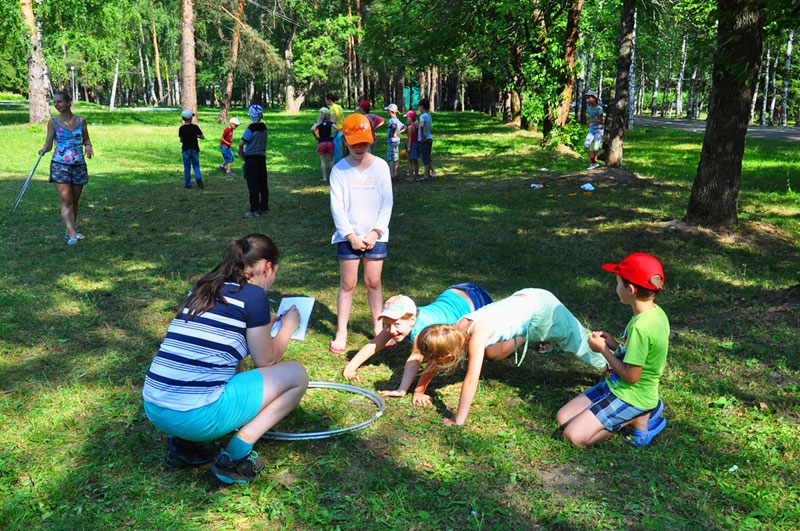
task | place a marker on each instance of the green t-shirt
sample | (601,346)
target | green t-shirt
(645,342)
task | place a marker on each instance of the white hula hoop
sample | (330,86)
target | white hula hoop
(376,398)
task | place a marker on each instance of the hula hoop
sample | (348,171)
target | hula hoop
(376,398)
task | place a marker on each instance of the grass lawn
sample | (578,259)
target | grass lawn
(79,326)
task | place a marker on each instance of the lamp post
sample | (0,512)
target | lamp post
(74,89)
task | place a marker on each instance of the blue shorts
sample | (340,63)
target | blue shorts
(611,411)
(425,151)
(238,404)
(345,251)
(227,154)
(74,174)
(393,152)
(479,296)
(413,153)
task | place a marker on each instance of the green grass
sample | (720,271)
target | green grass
(80,325)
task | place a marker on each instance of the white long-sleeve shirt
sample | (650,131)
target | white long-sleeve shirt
(361,201)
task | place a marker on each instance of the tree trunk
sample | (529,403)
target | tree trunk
(632,77)
(38,107)
(557,117)
(774,91)
(619,111)
(654,98)
(226,95)
(765,96)
(157,58)
(715,193)
(112,101)
(787,74)
(681,73)
(188,77)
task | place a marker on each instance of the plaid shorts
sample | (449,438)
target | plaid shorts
(611,411)
(74,174)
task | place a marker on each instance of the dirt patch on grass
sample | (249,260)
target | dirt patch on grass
(607,176)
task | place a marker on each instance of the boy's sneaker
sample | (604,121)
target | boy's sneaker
(240,471)
(229,173)
(221,167)
(200,184)
(252,214)
(593,166)
(182,453)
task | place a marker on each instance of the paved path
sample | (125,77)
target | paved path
(789,134)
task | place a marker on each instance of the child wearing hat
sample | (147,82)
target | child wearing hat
(412,146)
(189,133)
(361,206)
(395,128)
(401,319)
(628,394)
(253,149)
(375,121)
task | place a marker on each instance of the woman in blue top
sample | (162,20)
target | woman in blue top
(401,319)
(68,166)
(192,390)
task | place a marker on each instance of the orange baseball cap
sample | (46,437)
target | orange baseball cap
(357,129)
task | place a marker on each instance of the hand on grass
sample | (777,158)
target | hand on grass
(350,375)
(421,399)
(448,422)
(396,393)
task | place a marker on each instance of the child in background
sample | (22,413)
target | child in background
(401,319)
(189,133)
(412,146)
(629,392)
(361,206)
(337,116)
(395,128)
(425,138)
(494,332)
(375,121)
(594,111)
(253,149)
(225,146)
(324,130)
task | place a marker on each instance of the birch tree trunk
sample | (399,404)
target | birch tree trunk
(787,72)
(764,98)
(681,73)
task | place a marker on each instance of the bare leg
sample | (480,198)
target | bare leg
(372,278)
(348,270)
(323,167)
(69,205)
(284,385)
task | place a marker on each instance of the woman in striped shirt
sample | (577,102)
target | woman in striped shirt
(192,390)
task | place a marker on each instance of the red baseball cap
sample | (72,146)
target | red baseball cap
(641,269)
(364,104)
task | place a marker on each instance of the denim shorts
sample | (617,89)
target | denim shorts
(611,411)
(479,296)
(413,153)
(227,154)
(74,174)
(345,251)
(238,404)
(393,152)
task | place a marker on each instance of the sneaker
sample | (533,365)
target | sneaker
(200,184)
(433,174)
(182,453)
(229,173)
(221,168)
(593,166)
(263,212)
(188,186)
(252,214)
(241,471)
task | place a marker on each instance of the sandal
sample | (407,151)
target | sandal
(337,347)
(72,241)
(643,438)
(655,414)
(78,236)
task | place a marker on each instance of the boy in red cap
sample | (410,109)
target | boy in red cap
(628,394)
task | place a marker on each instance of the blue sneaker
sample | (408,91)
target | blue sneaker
(655,414)
(242,470)
(182,453)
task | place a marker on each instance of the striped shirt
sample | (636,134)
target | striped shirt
(198,357)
